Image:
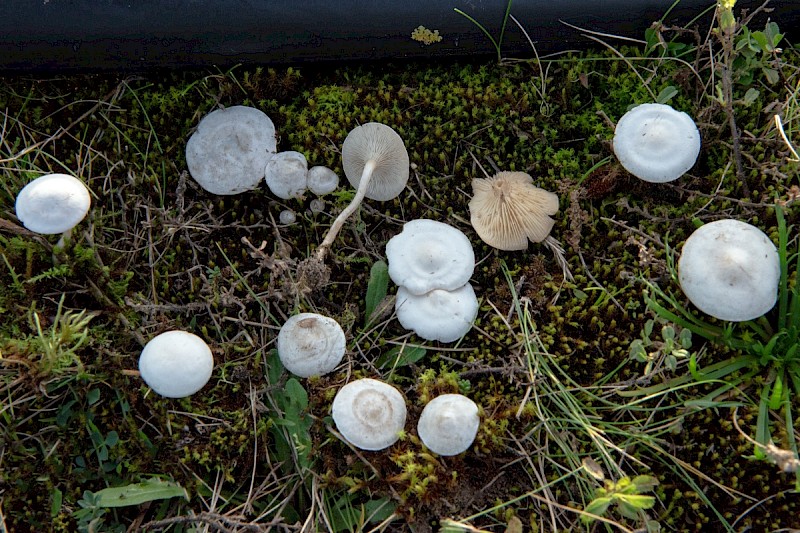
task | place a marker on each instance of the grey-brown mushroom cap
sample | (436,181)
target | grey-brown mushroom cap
(370,414)
(382,145)
(229,150)
(508,210)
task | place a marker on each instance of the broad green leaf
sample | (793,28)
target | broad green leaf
(597,506)
(138,493)
(380,509)
(376,288)
(400,356)
(639,501)
(644,482)
(751,96)
(666,94)
(296,394)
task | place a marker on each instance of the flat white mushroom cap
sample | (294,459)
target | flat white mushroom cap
(438,315)
(369,413)
(53,204)
(656,143)
(230,148)
(383,146)
(429,255)
(176,364)
(730,270)
(322,180)
(286,174)
(310,344)
(448,424)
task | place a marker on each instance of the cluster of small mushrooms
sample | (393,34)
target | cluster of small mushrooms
(728,269)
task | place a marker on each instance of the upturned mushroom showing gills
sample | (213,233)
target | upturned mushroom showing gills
(53,204)
(429,255)
(370,414)
(176,364)
(508,210)
(448,424)
(310,344)
(656,143)
(375,161)
(228,152)
(730,270)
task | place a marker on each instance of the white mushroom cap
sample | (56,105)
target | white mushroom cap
(448,424)
(730,270)
(176,364)
(286,174)
(429,255)
(382,146)
(369,413)
(53,204)
(507,210)
(310,344)
(438,315)
(656,143)
(322,180)
(229,150)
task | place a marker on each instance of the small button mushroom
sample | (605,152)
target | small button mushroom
(176,364)
(370,414)
(429,255)
(286,174)
(508,210)
(448,424)
(730,270)
(656,143)
(310,344)
(322,180)
(438,315)
(53,204)
(287,216)
(229,150)
(316,206)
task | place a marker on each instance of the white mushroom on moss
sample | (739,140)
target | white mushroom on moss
(322,180)
(730,270)
(375,161)
(656,143)
(310,344)
(448,424)
(229,150)
(438,315)
(286,174)
(176,364)
(429,255)
(369,414)
(508,210)
(53,204)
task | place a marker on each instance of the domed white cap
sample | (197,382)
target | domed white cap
(322,180)
(229,150)
(429,255)
(53,204)
(730,270)
(448,424)
(656,143)
(369,413)
(438,315)
(176,364)
(311,345)
(286,174)
(381,145)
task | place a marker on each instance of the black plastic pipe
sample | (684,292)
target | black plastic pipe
(55,35)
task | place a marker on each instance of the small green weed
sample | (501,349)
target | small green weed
(626,494)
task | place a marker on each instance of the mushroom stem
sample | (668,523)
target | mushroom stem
(333,231)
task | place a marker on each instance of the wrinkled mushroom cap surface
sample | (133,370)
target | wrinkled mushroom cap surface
(429,255)
(381,144)
(310,344)
(438,315)
(507,210)
(730,270)
(322,180)
(656,143)
(176,364)
(53,204)
(286,174)
(229,150)
(448,424)
(369,413)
